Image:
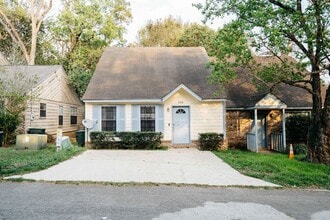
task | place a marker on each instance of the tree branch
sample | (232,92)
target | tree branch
(279,4)
(11,30)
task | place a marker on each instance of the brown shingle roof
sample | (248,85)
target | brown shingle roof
(242,93)
(150,73)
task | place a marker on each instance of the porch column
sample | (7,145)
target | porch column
(283,128)
(256,128)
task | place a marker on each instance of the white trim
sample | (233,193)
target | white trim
(214,100)
(126,101)
(281,104)
(184,88)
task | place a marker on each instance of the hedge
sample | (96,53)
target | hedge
(126,140)
(210,141)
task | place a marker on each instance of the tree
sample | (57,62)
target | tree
(36,11)
(196,35)
(83,29)
(161,33)
(297,33)
(14,94)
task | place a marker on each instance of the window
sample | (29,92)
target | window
(60,115)
(42,110)
(73,117)
(109,116)
(147,118)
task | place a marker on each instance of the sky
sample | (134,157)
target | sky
(145,10)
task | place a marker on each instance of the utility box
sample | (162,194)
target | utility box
(36,131)
(31,141)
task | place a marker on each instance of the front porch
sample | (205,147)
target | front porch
(258,127)
(257,137)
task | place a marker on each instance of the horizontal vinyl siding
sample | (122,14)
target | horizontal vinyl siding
(204,116)
(50,122)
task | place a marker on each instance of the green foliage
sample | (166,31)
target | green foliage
(79,79)
(161,33)
(296,34)
(83,29)
(297,129)
(13,162)
(13,97)
(298,149)
(171,32)
(126,140)
(196,35)
(104,139)
(8,124)
(210,141)
(278,169)
(230,48)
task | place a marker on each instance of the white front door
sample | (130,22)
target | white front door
(181,125)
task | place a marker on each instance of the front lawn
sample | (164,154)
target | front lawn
(278,169)
(13,162)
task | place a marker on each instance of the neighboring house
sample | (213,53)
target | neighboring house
(246,105)
(54,104)
(155,89)
(3,60)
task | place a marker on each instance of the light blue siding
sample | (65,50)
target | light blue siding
(97,117)
(120,118)
(159,110)
(136,118)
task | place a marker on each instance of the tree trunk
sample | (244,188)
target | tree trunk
(324,153)
(319,131)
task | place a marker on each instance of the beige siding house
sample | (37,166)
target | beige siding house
(155,89)
(54,104)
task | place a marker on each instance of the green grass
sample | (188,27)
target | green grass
(13,162)
(278,169)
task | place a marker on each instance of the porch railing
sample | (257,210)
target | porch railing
(276,142)
(251,142)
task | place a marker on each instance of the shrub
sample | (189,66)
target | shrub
(103,139)
(126,140)
(298,149)
(8,124)
(210,141)
(297,129)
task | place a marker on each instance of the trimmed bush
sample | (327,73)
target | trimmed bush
(210,141)
(126,140)
(103,139)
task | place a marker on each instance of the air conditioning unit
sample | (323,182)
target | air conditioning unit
(31,141)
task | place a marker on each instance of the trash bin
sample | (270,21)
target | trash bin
(1,138)
(36,131)
(80,137)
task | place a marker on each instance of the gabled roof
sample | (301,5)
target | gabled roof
(150,73)
(242,93)
(35,73)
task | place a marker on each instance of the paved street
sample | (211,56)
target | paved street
(67,201)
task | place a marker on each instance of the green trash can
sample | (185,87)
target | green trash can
(80,137)
(1,138)
(36,131)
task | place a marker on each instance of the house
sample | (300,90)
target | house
(155,89)
(3,60)
(257,117)
(53,104)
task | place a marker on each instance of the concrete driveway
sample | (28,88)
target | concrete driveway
(182,166)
